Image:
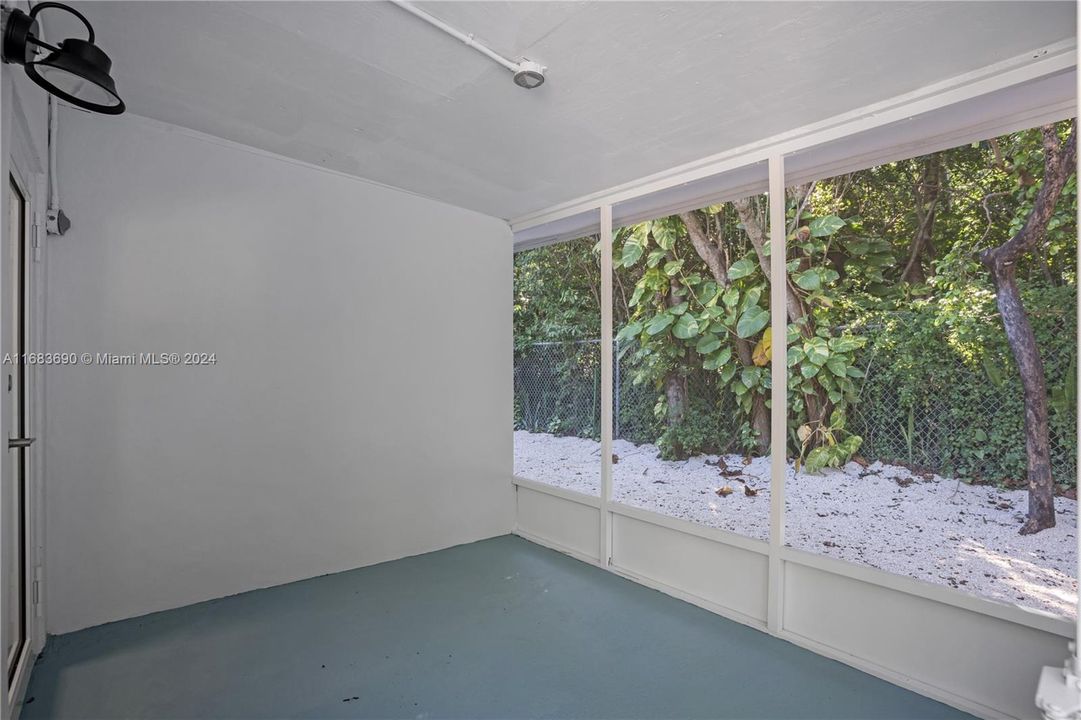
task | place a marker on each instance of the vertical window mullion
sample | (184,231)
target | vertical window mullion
(607,352)
(779,389)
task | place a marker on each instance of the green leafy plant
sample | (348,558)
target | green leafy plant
(894,347)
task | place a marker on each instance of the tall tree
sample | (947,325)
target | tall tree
(925,193)
(675,382)
(711,254)
(815,401)
(1001,261)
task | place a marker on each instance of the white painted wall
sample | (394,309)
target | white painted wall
(360,408)
(25,103)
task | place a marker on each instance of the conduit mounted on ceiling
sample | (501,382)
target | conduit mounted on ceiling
(527,74)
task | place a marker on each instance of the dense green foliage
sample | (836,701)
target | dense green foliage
(942,392)
(556,306)
(557,293)
(895,348)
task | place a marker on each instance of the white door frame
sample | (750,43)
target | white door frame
(21,161)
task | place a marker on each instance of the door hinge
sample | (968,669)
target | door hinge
(37,596)
(35,242)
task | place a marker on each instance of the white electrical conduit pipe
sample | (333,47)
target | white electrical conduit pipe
(53,191)
(467,39)
(527,73)
(54,127)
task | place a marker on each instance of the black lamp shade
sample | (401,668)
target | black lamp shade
(79,73)
(76,71)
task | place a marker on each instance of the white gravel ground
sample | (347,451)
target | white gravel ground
(930,528)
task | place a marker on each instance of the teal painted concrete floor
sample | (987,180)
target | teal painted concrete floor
(501,628)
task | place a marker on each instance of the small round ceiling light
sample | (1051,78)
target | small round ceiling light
(529,74)
(76,71)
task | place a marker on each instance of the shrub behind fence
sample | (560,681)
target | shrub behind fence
(925,401)
(949,400)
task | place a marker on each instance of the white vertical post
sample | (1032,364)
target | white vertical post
(779,393)
(606,384)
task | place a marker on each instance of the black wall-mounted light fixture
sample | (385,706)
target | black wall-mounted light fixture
(76,71)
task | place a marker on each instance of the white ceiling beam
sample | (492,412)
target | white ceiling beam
(1027,68)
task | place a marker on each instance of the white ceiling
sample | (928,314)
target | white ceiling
(633,88)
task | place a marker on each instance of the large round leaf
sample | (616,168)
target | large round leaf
(751,321)
(659,323)
(823,226)
(741,268)
(708,343)
(817,350)
(672,267)
(663,234)
(629,331)
(837,366)
(809,279)
(719,359)
(761,353)
(686,327)
(846,343)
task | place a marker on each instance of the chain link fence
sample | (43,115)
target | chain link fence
(957,408)
(557,390)
(944,413)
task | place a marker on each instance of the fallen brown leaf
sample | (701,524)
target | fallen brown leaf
(723,469)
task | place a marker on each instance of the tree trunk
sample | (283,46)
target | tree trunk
(714,259)
(675,384)
(760,424)
(756,232)
(817,404)
(927,193)
(1022,340)
(1002,264)
(675,392)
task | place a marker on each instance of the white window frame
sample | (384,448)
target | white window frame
(1017,94)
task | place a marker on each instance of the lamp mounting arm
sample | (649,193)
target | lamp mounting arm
(60,6)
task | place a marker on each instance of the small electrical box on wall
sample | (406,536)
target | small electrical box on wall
(56,222)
